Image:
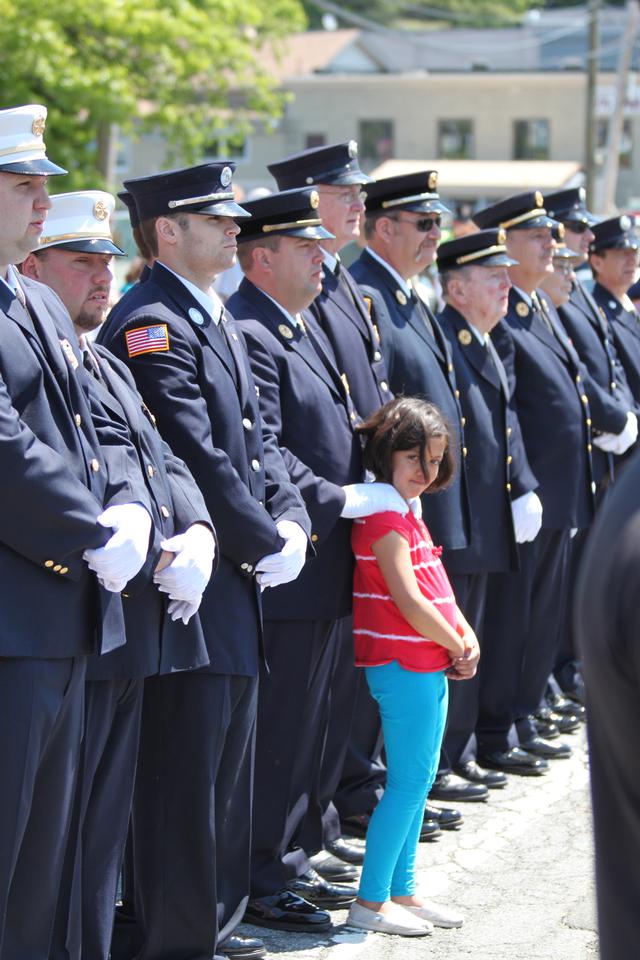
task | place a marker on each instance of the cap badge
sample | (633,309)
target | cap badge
(314,199)
(432,182)
(582,195)
(352,149)
(100,210)
(38,125)
(309,180)
(502,236)
(464,337)
(225,176)
(625,222)
(401,298)
(538,198)
(285,331)
(522,309)
(196,316)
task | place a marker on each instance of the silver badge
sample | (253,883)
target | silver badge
(352,149)
(225,176)
(625,223)
(196,316)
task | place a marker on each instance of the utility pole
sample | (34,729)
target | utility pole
(616,122)
(590,118)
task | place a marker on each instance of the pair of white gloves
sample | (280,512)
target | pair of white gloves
(619,442)
(361,500)
(123,555)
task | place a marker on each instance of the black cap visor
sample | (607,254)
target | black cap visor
(223,208)
(34,168)
(577,216)
(343,178)
(535,222)
(93,245)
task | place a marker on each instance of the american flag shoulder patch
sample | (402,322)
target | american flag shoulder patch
(147,339)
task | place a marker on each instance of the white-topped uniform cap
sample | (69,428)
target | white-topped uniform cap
(22,148)
(80,221)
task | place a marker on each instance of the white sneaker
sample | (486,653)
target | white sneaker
(393,920)
(437,915)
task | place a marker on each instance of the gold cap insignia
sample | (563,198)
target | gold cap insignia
(314,199)
(432,182)
(522,309)
(38,125)
(352,148)
(285,331)
(100,210)
(464,337)
(225,176)
(538,198)
(401,298)
(502,236)
(561,231)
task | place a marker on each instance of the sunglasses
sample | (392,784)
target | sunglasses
(423,224)
(577,227)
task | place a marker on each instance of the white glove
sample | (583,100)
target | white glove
(182,610)
(527,516)
(619,442)
(189,572)
(363,499)
(415,505)
(124,553)
(284,566)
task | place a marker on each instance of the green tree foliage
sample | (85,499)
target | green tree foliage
(185,68)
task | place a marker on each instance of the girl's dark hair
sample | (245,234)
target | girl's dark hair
(402,424)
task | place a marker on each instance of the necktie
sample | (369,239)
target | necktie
(90,364)
(423,311)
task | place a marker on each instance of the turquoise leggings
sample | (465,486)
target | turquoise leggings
(413,710)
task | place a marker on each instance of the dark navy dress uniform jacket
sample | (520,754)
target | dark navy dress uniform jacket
(420,365)
(625,327)
(546,380)
(202,394)
(304,403)
(496,466)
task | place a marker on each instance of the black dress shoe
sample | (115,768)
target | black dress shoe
(548,751)
(243,948)
(545,727)
(312,887)
(430,830)
(514,760)
(287,911)
(493,779)
(445,817)
(355,826)
(332,869)
(564,706)
(346,851)
(452,788)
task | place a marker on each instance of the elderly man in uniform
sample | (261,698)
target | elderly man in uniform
(343,316)
(402,230)
(306,404)
(613,257)
(550,388)
(74,258)
(475,284)
(55,486)
(191,367)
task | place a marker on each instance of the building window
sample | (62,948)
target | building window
(228,146)
(313,140)
(626,141)
(375,142)
(531,140)
(455,139)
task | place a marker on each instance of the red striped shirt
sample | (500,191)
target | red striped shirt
(381,634)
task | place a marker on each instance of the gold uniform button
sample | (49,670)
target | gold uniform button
(613,385)
(457,394)
(78,420)
(384,385)
(255,466)
(509,459)
(377,355)
(463,421)
(164,511)
(584,398)
(593,487)
(95,466)
(249,568)
(352,415)
(507,487)
(464,451)
(48,563)
(314,538)
(588,422)
(247,424)
(577,378)
(509,431)
(150,470)
(244,566)
(589,448)
(64,570)
(57,568)
(450,367)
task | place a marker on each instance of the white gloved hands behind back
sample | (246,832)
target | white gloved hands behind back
(364,499)
(124,553)
(527,516)
(619,443)
(284,566)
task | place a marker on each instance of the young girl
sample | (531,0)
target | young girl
(409,636)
